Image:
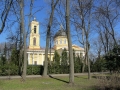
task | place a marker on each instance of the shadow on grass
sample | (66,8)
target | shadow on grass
(58,79)
(77,76)
(81,77)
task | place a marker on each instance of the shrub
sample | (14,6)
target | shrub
(13,69)
(109,82)
(34,70)
(6,69)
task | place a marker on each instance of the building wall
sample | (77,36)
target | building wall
(37,58)
(34,33)
(60,42)
(36,55)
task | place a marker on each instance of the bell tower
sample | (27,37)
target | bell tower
(34,40)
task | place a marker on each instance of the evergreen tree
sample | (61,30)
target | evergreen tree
(64,62)
(4,55)
(77,63)
(3,62)
(56,64)
(15,57)
(113,59)
(98,65)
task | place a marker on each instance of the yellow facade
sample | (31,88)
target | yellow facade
(60,42)
(34,41)
(36,55)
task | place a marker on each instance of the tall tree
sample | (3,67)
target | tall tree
(82,15)
(53,5)
(113,59)
(4,55)
(56,63)
(71,62)
(5,50)
(64,61)
(107,14)
(24,38)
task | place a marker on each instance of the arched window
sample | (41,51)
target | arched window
(65,41)
(56,42)
(34,29)
(60,41)
(34,41)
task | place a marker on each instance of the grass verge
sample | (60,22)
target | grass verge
(50,83)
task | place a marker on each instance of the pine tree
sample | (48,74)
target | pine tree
(64,61)
(56,64)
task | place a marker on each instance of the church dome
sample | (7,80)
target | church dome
(61,32)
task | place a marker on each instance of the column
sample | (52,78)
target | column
(42,58)
(38,63)
(33,59)
(28,58)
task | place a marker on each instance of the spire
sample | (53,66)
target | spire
(61,27)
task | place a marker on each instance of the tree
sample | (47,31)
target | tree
(53,5)
(77,64)
(64,61)
(4,55)
(21,2)
(6,9)
(98,65)
(113,59)
(56,62)
(15,57)
(5,50)
(107,14)
(82,17)
(3,64)
(71,61)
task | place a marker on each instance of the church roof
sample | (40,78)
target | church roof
(75,47)
(61,32)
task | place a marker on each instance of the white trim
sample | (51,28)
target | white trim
(37,58)
(42,58)
(32,58)
(28,58)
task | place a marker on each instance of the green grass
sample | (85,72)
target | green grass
(56,83)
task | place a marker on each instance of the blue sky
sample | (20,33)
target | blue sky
(41,17)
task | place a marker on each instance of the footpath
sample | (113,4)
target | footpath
(53,75)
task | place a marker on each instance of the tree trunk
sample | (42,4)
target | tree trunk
(71,62)
(87,59)
(24,36)
(53,5)
(83,66)
(46,53)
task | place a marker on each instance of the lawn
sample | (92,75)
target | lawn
(55,83)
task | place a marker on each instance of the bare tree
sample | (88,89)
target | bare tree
(82,16)
(97,47)
(104,38)
(71,62)
(16,37)
(5,13)
(107,14)
(53,5)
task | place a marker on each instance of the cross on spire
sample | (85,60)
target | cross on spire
(34,19)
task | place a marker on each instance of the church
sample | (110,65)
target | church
(36,54)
